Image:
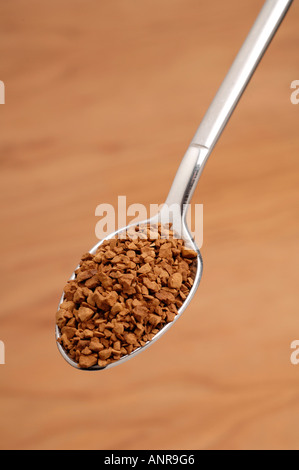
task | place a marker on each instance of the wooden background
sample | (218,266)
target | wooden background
(102,99)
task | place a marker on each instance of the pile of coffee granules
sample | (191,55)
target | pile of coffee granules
(123,295)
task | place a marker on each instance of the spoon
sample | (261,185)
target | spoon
(200,149)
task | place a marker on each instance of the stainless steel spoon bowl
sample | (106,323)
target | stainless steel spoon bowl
(201,146)
(198,263)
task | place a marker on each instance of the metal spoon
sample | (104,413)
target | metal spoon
(202,145)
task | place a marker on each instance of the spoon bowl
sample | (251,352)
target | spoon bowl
(189,243)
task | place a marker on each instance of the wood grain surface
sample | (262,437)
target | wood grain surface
(102,99)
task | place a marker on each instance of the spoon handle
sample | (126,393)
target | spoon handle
(226,99)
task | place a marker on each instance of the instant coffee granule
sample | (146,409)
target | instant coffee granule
(124,294)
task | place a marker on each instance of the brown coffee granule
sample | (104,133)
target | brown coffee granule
(123,295)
